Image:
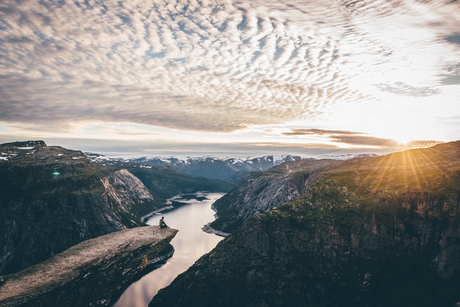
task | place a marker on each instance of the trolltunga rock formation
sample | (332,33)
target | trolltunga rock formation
(89,273)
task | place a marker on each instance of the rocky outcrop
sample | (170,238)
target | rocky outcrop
(52,198)
(87,274)
(127,191)
(24,144)
(164,180)
(368,232)
(261,191)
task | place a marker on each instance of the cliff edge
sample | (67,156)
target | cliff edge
(89,273)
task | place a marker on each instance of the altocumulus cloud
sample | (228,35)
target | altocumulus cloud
(345,137)
(209,65)
(355,138)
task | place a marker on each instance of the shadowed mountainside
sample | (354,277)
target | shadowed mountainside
(379,231)
(52,198)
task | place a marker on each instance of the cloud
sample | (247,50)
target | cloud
(358,139)
(214,66)
(319,132)
(452,76)
(345,137)
(454,39)
(400,88)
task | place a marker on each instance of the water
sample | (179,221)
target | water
(190,243)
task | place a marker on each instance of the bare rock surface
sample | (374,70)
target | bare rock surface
(89,273)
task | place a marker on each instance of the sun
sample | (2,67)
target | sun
(406,128)
(404,137)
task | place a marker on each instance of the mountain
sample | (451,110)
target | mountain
(379,231)
(52,198)
(164,181)
(261,191)
(209,167)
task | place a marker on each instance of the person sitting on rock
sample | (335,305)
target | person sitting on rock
(162,222)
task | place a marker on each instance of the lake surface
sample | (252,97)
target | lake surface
(192,212)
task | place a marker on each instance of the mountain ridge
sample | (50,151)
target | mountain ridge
(261,191)
(52,198)
(208,167)
(378,231)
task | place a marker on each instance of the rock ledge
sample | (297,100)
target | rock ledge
(88,273)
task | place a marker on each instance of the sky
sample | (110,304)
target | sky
(230,78)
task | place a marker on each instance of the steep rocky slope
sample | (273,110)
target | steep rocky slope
(369,232)
(261,191)
(52,198)
(164,181)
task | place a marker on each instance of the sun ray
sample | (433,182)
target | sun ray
(404,158)
(375,168)
(421,165)
(410,159)
(433,164)
(444,171)
(385,170)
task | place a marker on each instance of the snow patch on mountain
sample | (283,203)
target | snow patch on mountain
(225,168)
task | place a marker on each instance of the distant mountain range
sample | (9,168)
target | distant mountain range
(230,169)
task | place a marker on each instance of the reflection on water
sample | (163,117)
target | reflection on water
(190,243)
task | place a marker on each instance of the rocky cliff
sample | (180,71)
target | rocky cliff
(52,198)
(164,180)
(368,232)
(87,274)
(261,191)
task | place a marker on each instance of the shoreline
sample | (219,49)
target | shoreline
(208,229)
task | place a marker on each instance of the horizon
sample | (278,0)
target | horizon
(133,152)
(233,78)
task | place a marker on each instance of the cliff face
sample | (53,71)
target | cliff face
(87,274)
(261,191)
(52,198)
(163,181)
(129,196)
(369,232)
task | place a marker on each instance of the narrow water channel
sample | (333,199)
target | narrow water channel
(192,212)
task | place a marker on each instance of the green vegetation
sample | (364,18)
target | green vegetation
(390,184)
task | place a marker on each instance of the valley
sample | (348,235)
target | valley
(367,231)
